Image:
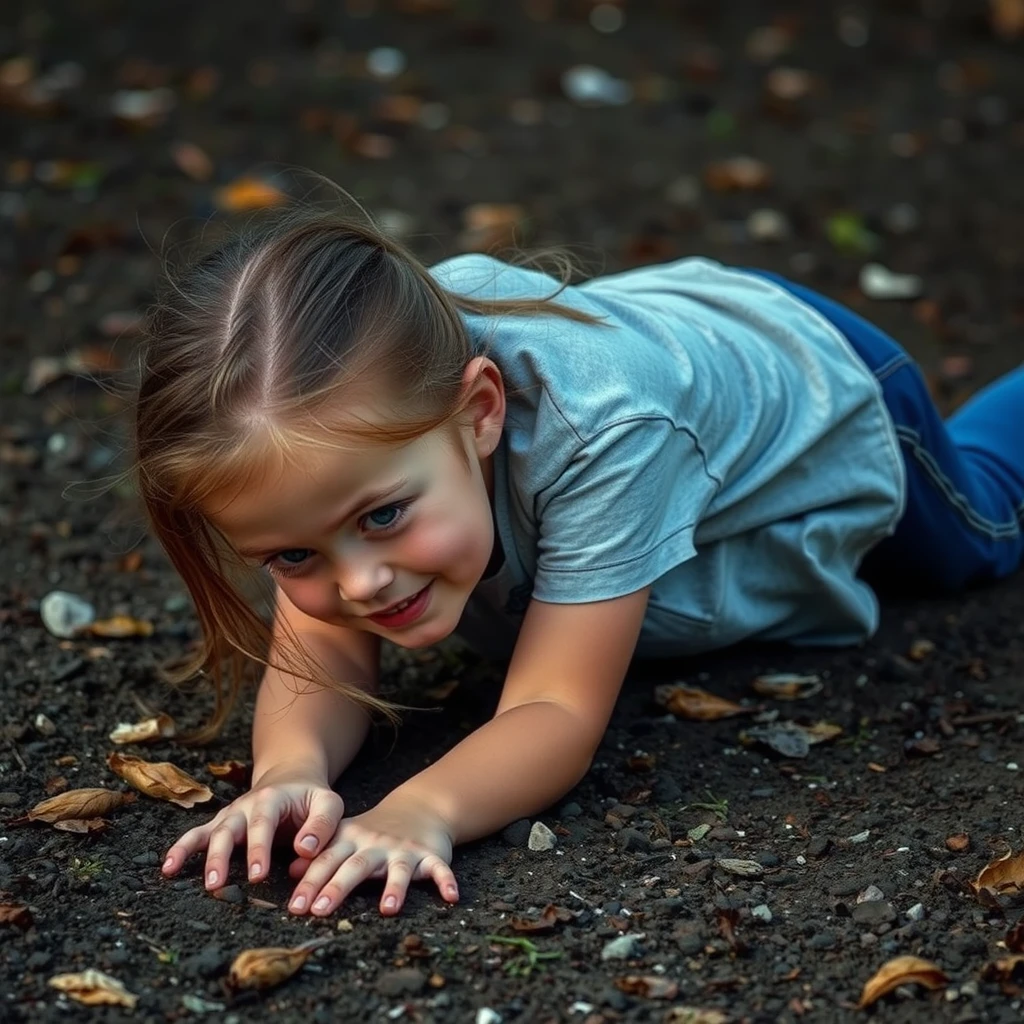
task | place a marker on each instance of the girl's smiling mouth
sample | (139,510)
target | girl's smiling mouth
(406,611)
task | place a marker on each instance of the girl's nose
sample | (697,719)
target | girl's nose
(360,581)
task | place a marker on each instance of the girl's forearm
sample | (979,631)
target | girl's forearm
(519,763)
(299,724)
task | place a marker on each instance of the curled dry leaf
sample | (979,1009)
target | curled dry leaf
(12,913)
(76,804)
(160,780)
(159,727)
(903,970)
(549,917)
(269,966)
(648,986)
(121,626)
(94,988)
(695,703)
(695,1015)
(787,686)
(1007,968)
(235,772)
(1002,876)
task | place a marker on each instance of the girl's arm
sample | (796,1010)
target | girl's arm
(562,684)
(297,724)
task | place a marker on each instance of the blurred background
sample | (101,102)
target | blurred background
(869,149)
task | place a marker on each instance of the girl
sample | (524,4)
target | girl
(658,462)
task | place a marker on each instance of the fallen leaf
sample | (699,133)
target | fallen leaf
(248,194)
(648,986)
(695,703)
(235,772)
(903,970)
(12,913)
(267,967)
(77,803)
(1002,876)
(94,988)
(959,842)
(158,727)
(81,825)
(121,626)
(550,916)
(874,766)
(787,686)
(160,780)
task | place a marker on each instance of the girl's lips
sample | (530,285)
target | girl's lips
(409,613)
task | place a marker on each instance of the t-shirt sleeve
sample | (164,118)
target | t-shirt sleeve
(622,513)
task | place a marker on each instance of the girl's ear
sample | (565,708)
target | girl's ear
(485,406)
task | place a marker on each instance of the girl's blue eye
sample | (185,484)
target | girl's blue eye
(386,518)
(285,555)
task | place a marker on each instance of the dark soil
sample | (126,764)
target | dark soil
(928,112)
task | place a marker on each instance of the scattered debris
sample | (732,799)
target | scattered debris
(789,738)
(903,970)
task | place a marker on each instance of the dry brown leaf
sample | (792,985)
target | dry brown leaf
(121,626)
(1003,875)
(160,780)
(12,913)
(958,842)
(822,732)
(267,967)
(787,686)
(81,825)
(737,174)
(94,988)
(76,803)
(695,703)
(159,727)
(648,986)
(248,194)
(549,917)
(235,772)
(903,970)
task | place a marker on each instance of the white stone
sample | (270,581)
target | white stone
(872,894)
(743,868)
(541,837)
(485,1015)
(762,913)
(861,837)
(65,615)
(916,912)
(623,948)
(878,282)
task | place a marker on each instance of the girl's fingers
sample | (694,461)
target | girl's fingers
(225,835)
(326,810)
(399,877)
(263,822)
(444,878)
(192,841)
(317,872)
(360,866)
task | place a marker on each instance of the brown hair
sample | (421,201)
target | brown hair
(245,354)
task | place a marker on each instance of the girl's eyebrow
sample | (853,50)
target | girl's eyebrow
(365,502)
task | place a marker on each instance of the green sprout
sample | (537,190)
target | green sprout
(84,869)
(718,807)
(529,960)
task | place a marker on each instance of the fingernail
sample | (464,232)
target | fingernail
(211,878)
(168,864)
(255,870)
(299,903)
(322,904)
(390,902)
(309,843)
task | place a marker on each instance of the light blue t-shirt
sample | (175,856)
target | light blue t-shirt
(716,438)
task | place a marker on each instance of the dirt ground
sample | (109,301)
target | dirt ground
(897,137)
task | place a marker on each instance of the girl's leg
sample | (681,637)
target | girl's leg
(965,477)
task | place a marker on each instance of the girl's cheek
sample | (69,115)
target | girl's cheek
(315,599)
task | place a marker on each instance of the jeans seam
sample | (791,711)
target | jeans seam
(897,362)
(990,529)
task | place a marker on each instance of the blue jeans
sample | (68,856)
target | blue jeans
(965,475)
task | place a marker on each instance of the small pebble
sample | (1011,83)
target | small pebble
(385,62)
(625,947)
(586,85)
(485,1015)
(518,833)
(916,912)
(761,913)
(871,895)
(541,838)
(9,799)
(861,837)
(878,282)
(64,614)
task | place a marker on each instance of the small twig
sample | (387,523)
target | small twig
(17,755)
(985,719)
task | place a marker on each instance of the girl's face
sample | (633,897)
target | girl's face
(350,534)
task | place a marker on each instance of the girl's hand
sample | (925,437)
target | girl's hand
(399,840)
(299,796)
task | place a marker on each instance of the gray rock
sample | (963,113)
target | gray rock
(873,913)
(8,799)
(571,810)
(541,838)
(406,981)
(207,963)
(629,839)
(823,940)
(916,912)
(625,947)
(149,859)
(231,894)
(818,847)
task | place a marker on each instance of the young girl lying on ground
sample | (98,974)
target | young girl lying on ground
(658,462)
